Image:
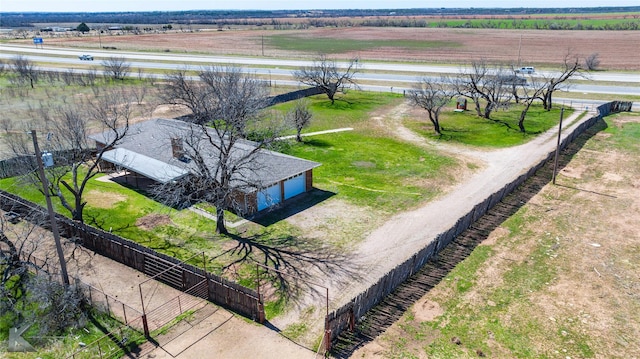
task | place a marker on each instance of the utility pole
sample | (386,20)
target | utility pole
(52,217)
(555,161)
(519,48)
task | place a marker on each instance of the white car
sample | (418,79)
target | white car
(526,70)
(86,57)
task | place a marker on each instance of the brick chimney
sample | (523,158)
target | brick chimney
(176,147)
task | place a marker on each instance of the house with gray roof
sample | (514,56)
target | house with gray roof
(155,150)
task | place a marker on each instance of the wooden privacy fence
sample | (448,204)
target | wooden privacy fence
(231,295)
(347,315)
(293,95)
(17,166)
(21,165)
(220,291)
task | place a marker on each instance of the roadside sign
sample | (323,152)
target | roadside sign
(37,41)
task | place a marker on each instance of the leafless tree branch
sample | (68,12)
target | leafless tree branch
(325,74)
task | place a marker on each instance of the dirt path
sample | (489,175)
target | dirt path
(406,233)
(591,254)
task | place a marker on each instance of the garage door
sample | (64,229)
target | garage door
(294,186)
(269,197)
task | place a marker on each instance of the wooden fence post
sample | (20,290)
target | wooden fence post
(145,326)
(352,320)
(327,334)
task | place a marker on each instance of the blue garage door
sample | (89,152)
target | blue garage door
(294,186)
(269,197)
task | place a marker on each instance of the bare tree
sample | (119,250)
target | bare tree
(25,69)
(116,68)
(15,261)
(57,308)
(69,76)
(432,95)
(485,84)
(325,74)
(225,104)
(571,67)
(24,265)
(530,91)
(139,93)
(300,116)
(90,77)
(18,244)
(592,62)
(68,128)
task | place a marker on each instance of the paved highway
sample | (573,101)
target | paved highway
(371,72)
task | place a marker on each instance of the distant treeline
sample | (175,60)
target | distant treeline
(365,17)
(531,24)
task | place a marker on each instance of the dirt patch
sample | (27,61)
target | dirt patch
(152,221)
(493,237)
(575,172)
(169,111)
(364,164)
(327,221)
(426,310)
(103,199)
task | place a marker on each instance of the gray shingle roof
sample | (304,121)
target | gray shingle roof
(152,139)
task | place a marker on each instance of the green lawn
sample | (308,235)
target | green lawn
(116,208)
(366,166)
(335,45)
(372,171)
(624,136)
(353,109)
(69,342)
(500,131)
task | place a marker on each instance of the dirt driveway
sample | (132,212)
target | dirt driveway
(585,231)
(406,233)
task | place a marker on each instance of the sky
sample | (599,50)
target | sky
(170,5)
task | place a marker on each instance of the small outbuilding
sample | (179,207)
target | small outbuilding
(461,104)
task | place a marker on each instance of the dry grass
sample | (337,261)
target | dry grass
(535,47)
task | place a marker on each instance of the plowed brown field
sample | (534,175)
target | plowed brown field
(617,49)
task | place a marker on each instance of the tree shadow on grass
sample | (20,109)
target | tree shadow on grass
(316,142)
(297,263)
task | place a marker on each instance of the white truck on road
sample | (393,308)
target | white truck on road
(525,70)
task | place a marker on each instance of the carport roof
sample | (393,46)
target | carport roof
(149,167)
